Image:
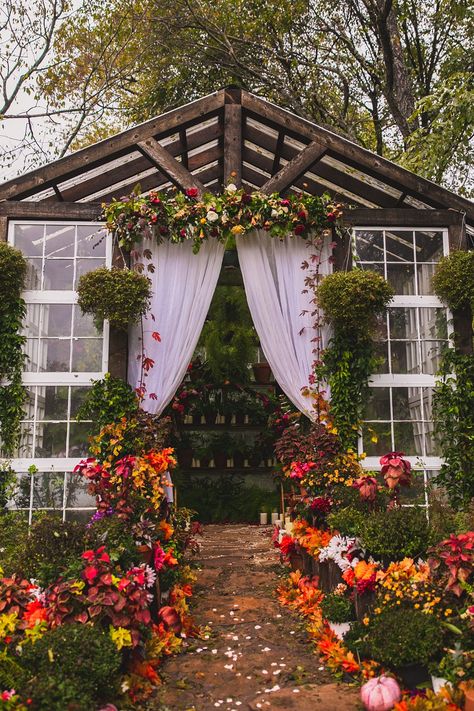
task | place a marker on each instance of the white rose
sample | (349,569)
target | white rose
(212,216)
(231,188)
(275,213)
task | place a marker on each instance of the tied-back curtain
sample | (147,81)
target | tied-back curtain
(274,284)
(183,286)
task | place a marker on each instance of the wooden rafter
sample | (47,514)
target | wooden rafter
(164,161)
(293,170)
(233,137)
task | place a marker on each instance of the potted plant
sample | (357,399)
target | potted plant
(185,451)
(240,450)
(395,534)
(255,455)
(262,371)
(202,450)
(455,666)
(221,447)
(338,610)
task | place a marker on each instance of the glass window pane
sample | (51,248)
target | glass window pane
(428,394)
(405,357)
(78,439)
(87,265)
(48,491)
(50,439)
(59,241)
(369,245)
(25,446)
(424,275)
(33,274)
(29,238)
(402,278)
(378,268)
(433,323)
(381,353)
(84,324)
(399,246)
(78,395)
(91,241)
(381,433)
(429,246)
(54,354)
(433,449)
(403,323)
(409,437)
(431,352)
(78,494)
(406,403)
(31,323)
(378,404)
(414,494)
(57,319)
(29,404)
(22,493)
(31,350)
(52,402)
(87,355)
(58,274)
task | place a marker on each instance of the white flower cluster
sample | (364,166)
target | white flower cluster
(337,550)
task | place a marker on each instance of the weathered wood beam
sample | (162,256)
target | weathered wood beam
(120,144)
(278,149)
(184,142)
(402,217)
(233,137)
(355,155)
(293,170)
(51,210)
(164,161)
(3,228)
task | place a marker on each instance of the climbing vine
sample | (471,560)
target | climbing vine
(351,302)
(13,268)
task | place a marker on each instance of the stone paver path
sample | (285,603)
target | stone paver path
(257,655)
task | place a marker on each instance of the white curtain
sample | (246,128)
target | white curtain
(274,282)
(183,286)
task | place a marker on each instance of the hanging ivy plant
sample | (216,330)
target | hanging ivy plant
(121,296)
(453,280)
(13,268)
(351,302)
(180,217)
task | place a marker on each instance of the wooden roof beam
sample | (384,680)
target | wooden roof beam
(173,169)
(233,137)
(293,170)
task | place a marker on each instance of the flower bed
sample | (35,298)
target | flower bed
(87,613)
(407,597)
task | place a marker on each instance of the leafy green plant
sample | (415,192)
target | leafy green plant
(396,533)
(72,664)
(121,296)
(453,280)
(7,481)
(456,665)
(108,400)
(453,412)
(351,302)
(14,528)
(13,268)
(399,636)
(337,608)
(347,521)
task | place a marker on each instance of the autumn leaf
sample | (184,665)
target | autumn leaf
(156,336)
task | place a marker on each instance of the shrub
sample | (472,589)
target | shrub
(14,528)
(453,280)
(115,534)
(71,667)
(347,521)
(337,608)
(121,296)
(396,533)
(11,673)
(297,444)
(108,400)
(399,636)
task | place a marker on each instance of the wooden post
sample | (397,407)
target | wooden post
(233,137)
(3,228)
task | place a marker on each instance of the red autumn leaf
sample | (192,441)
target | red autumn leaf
(148,363)
(153,396)
(156,336)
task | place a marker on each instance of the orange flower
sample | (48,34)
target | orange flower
(167,529)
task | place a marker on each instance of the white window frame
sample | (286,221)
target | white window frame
(386,380)
(58,465)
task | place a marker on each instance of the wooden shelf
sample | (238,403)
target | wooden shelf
(223,428)
(228,470)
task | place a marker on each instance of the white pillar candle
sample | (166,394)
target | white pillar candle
(275,516)
(289,527)
(263,518)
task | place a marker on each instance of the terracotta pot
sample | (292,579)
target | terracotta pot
(239,460)
(220,460)
(255,460)
(262,373)
(204,462)
(196,419)
(240,418)
(210,417)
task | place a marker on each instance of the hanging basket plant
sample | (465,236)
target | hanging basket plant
(121,296)
(453,280)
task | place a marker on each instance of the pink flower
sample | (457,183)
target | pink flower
(7,695)
(158,557)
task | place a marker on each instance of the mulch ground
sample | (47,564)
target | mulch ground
(255,655)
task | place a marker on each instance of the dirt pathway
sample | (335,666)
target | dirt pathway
(257,655)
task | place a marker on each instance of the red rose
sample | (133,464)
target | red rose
(192,192)
(299,229)
(331,216)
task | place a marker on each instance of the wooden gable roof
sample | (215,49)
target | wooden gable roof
(231,131)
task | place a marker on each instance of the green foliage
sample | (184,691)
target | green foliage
(12,312)
(347,521)
(49,549)
(121,296)
(453,411)
(108,400)
(72,666)
(453,280)
(351,302)
(337,608)
(396,533)
(228,336)
(14,528)
(115,534)
(7,481)
(399,636)
(11,672)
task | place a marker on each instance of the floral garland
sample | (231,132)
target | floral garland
(180,217)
